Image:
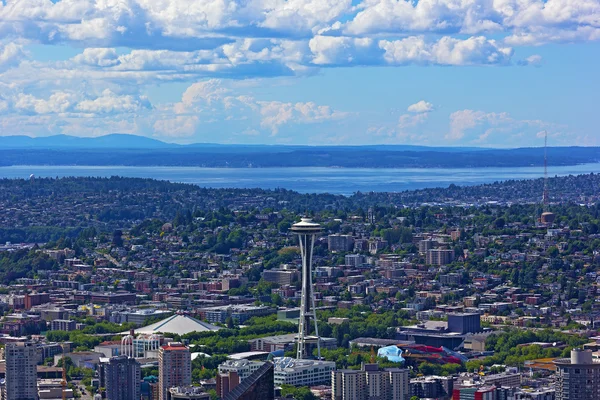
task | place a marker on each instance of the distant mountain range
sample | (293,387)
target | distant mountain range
(131,150)
(113,141)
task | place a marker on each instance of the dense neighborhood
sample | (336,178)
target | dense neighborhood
(457,293)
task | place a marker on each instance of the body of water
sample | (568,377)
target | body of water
(307,180)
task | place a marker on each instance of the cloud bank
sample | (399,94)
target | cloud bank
(123,47)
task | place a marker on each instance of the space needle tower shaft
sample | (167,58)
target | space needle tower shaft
(307,232)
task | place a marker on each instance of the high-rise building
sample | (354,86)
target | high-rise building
(280,276)
(21,371)
(35,299)
(426,244)
(339,242)
(121,377)
(439,256)
(348,384)
(354,260)
(174,368)
(307,231)
(464,322)
(399,384)
(302,372)
(370,383)
(578,376)
(63,325)
(258,386)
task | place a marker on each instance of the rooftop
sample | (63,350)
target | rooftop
(174,346)
(177,324)
(567,361)
(283,363)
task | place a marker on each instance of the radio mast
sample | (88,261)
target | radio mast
(547,217)
(545,197)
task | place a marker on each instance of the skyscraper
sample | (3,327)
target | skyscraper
(578,376)
(307,230)
(121,376)
(174,368)
(21,371)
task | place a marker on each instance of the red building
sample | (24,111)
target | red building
(35,299)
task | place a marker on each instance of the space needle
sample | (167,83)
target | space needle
(307,231)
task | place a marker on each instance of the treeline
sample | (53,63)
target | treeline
(36,234)
(24,263)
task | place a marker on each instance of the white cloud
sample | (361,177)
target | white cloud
(165,24)
(207,24)
(462,121)
(274,114)
(206,92)
(11,55)
(533,60)
(329,50)
(178,127)
(408,129)
(302,15)
(410,121)
(389,16)
(129,45)
(347,51)
(446,51)
(36,125)
(188,40)
(472,17)
(553,35)
(100,57)
(215,97)
(420,107)
(110,102)
(58,102)
(480,127)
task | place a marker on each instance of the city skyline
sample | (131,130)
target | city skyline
(478,73)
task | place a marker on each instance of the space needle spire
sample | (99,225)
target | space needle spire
(307,231)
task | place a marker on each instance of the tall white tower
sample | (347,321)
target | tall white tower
(307,231)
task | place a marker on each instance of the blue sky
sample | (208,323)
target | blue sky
(429,72)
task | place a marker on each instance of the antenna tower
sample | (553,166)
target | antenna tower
(545,196)
(547,217)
